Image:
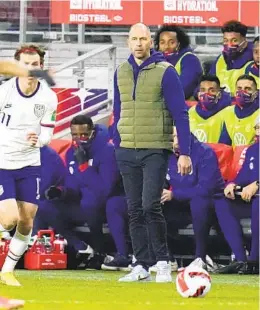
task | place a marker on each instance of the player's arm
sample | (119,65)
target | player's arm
(13,69)
(47,125)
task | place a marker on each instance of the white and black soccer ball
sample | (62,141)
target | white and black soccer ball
(193,281)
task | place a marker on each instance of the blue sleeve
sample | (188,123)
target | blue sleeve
(224,136)
(213,67)
(116,112)
(71,186)
(60,171)
(102,179)
(208,175)
(53,170)
(175,103)
(243,176)
(191,72)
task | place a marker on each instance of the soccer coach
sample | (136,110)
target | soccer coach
(148,100)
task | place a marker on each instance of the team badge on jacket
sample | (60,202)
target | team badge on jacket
(39,110)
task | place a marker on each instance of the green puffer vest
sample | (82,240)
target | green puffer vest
(144,120)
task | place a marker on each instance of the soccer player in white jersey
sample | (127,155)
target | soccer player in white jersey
(27,109)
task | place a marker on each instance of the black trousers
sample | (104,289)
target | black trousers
(143,172)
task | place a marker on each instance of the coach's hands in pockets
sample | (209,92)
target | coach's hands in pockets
(184,165)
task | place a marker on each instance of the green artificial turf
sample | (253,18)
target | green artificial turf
(54,290)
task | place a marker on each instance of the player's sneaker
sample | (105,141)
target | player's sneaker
(11,304)
(174,267)
(138,274)
(9,279)
(232,268)
(96,260)
(211,265)
(163,274)
(198,262)
(250,267)
(119,263)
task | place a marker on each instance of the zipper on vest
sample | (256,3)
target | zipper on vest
(135,82)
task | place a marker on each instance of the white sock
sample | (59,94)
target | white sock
(17,247)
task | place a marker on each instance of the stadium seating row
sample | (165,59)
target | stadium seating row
(230,159)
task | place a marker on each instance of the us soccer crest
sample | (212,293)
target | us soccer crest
(39,110)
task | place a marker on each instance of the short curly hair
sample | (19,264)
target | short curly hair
(182,36)
(234,26)
(30,49)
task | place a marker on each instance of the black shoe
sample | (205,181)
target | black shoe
(250,267)
(95,262)
(232,268)
(119,263)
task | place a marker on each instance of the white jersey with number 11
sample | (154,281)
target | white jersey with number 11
(20,115)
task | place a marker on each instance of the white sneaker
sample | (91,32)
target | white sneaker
(211,265)
(163,274)
(198,262)
(174,267)
(138,273)
(88,250)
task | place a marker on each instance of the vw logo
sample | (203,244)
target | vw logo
(239,139)
(201,135)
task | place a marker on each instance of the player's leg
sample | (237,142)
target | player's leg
(27,192)
(116,213)
(254,253)
(8,206)
(200,213)
(252,265)
(227,213)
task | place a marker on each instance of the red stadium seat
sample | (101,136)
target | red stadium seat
(191,103)
(230,161)
(60,146)
(225,155)
(238,160)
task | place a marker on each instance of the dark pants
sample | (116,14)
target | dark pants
(143,172)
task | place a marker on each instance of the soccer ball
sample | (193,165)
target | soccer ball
(193,281)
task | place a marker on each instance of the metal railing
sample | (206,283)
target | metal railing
(105,104)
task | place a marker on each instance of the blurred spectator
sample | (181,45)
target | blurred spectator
(253,67)
(196,190)
(93,184)
(232,208)
(206,121)
(175,45)
(238,127)
(237,51)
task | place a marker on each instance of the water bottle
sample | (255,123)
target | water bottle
(59,244)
